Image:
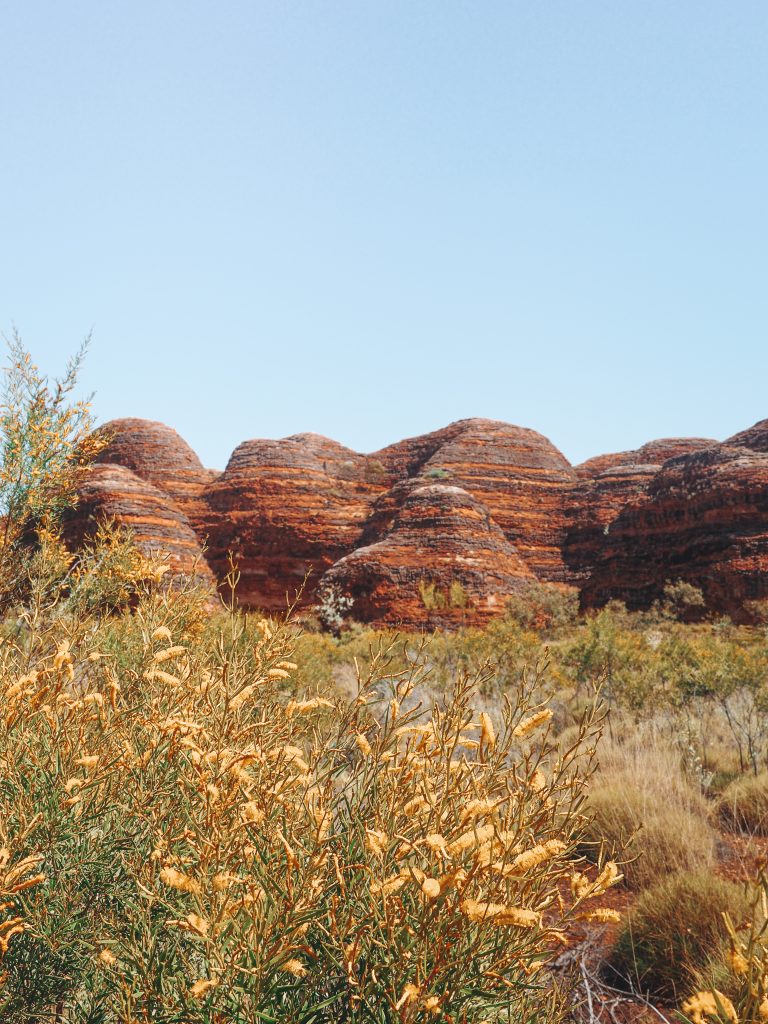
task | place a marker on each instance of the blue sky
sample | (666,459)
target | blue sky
(368,219)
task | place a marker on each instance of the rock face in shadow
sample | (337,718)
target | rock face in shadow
(474,509)
(112,492)
(444,562)
(606,485)
(703,519)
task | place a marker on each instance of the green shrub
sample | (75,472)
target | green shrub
(672,933)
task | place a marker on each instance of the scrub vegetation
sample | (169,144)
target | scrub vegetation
(212,816)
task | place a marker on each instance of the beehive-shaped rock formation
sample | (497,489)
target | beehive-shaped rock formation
(285,509)
(517,474)
(443,562)
(114,493)
(474,508)
(607,484)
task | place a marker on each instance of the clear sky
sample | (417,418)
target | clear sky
(368,219)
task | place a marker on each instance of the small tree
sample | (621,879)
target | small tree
(683,601)
(46,444)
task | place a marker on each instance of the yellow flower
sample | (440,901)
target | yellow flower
(169,653)
(608,876)
(488,732)
(410,995)
(251,813)
(197,924)
(198,990)
(375,842)
(431,888)
(177,880)
(527,726)
(468,840)
(437,844)
(602,914)
(363,745)
(499,913)
(295,967)
(536,855)
(710,1003)
(389,885)
(739,963)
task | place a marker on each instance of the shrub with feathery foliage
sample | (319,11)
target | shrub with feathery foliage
(188,834)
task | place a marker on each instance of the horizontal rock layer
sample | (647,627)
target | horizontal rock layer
(113,493)
(442,528)
(444,561)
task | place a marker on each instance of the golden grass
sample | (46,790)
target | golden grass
(647,810)
(743,805)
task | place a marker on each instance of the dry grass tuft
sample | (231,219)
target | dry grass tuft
(642,803)
(673,931)
(743,805)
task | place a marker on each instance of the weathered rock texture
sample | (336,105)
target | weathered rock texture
(157,454)
(703,519)
(443,562)
(285,509)
(606,485)
(114,493)
(520,477)
(441,528)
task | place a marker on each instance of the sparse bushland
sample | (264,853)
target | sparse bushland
(686,720)
(208,844)
(189,832)
(649,812)
(215,817)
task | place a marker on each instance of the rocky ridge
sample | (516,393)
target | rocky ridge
(440,529)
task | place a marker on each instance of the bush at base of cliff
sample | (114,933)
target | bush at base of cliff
(544,607)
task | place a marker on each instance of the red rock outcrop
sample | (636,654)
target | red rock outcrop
(157,454)
(755,437)
(520,477)
(653,453)
(703,519)
(285,509)
(476,501)
(606,485)
(444,562)
(112,492)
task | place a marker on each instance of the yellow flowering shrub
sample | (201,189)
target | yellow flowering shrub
(199,840)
